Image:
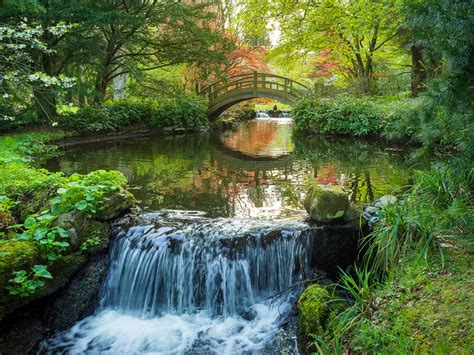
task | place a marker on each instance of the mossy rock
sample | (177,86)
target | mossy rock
(312,310)
(34,202)
(326,203)
(117,203)
(14,256)
(81,229)
(62,270)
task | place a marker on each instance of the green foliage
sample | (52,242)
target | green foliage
(444,29)
(341,116)
(18,147)
(401,118)
(357,34)
(87,194)
(409,226)
(6,204)
(90,243)
(182,111)
(360,286)
(48,238)
(26,284)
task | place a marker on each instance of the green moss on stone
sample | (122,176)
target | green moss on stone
(15,255)
(326,203)
(313,310)
(118,202)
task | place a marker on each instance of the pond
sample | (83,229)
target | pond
(217,258)
(258,170)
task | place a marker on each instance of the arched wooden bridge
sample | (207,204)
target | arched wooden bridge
(225,93)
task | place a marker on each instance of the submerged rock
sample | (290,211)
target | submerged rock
(326,203)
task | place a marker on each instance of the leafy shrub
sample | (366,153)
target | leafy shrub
(401,118)
(341,116)
(87,193)
(182,111)
(26,284)
(39,229)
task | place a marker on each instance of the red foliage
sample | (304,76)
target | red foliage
(324,65)
(246,59)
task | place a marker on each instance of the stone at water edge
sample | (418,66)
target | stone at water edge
(385,200)
(326,203)
(118,202)
(312,313)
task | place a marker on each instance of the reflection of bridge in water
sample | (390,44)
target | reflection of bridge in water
(226,93)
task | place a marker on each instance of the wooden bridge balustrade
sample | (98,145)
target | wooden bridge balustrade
(237,88)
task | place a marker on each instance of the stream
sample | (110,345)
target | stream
(214,262)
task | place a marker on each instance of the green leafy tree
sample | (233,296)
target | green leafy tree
(357,33)
(444,29)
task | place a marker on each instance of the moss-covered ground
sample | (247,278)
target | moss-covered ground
(423,308)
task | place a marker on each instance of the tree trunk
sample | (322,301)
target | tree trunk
(100,89)
(418,73)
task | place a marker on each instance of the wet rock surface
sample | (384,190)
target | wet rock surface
(21,332)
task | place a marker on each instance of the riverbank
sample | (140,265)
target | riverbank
(51,226)
(412,290)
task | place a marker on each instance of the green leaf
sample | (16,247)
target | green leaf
(62,232)
(81,205)
(42,271)
(56,208)
(40,232)
(46,218)
(30,222)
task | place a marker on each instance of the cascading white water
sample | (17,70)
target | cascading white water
(262,114)
(280,116)
(181,283)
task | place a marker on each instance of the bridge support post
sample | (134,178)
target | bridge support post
(255,81)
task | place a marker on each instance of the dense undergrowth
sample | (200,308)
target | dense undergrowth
(183,111)
(32,203)
(412,292)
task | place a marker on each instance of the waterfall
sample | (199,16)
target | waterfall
(278,116)
(181,282)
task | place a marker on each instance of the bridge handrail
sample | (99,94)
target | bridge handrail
(259,84)
(255,76)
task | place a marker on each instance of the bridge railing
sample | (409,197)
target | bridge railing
(254,81)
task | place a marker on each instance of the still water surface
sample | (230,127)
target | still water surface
(258,170)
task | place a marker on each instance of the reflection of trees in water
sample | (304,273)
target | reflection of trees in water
(364,168)
(192,173)
(259,138)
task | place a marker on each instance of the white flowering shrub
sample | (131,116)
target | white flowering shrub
(17,66)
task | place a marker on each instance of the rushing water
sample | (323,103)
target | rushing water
(215,264)
(181,282)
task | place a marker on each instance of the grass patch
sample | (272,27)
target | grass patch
(423,309)
(18,147)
